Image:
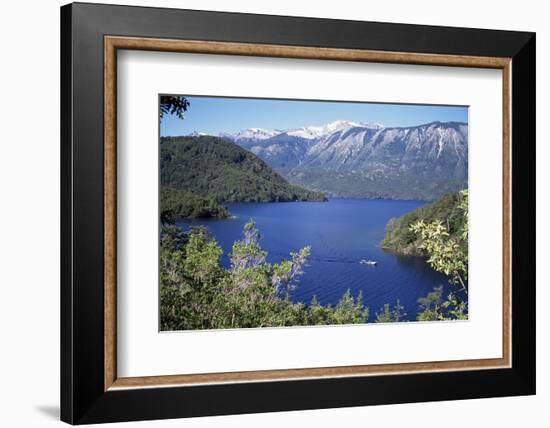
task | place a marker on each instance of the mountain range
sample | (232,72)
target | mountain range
(352,159)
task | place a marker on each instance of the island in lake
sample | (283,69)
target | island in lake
(341,223)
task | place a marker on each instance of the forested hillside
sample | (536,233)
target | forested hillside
(401,239)
(176,204)
(217,169)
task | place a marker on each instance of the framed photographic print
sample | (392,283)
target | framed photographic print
(265,213)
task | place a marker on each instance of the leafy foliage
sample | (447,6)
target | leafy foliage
(218,169)
(448,254)
(435,308)
(181,204)
(172,237)
(388,314)
(438,231)
(196,292)
(448,211)
(177,105)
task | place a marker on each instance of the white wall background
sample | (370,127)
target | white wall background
(29,214)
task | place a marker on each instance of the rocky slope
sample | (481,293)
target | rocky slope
(351,159)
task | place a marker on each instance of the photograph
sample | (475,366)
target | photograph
(260,210)
(281,212)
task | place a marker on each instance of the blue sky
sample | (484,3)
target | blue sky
(213,115)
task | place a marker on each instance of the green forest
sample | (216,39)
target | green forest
(402,239)
(211,171)
(176,204)
(375,184)
(197,292)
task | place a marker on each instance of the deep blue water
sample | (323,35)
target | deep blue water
(340,232)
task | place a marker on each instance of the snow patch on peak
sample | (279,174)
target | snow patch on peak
(311,132)
(251,134)
(372,125)
(314,132)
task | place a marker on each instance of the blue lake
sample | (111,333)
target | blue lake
(340,233)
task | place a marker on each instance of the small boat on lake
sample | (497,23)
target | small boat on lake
(369,262)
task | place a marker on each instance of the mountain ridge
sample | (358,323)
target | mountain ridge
(248,133)
(352,159)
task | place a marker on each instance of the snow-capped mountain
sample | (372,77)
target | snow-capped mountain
(196,134)
(316,132)
(257,134)
(426,150)
(345,158)
(306,132)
